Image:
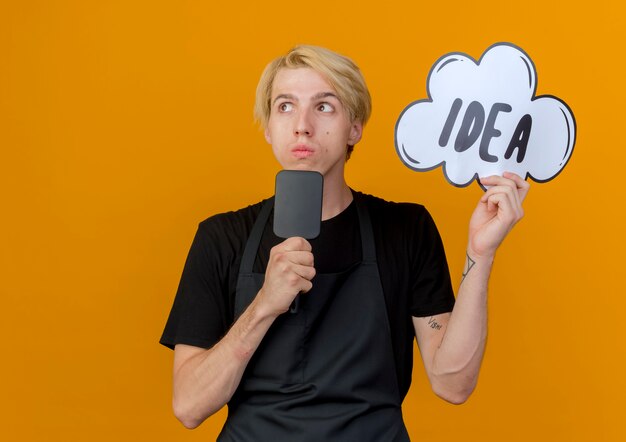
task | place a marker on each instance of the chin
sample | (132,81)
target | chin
(301,166)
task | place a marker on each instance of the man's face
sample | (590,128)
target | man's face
(308,128)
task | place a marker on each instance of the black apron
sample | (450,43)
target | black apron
(326,373)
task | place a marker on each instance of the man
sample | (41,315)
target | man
(376,277)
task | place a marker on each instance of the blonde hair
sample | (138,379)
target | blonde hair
(340,72)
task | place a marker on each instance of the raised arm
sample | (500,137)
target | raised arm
(205,379)
(452,344)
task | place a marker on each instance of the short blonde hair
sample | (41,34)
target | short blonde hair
(340,72)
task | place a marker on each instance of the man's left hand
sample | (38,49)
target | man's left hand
(499,209)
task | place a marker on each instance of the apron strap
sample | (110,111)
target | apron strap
(252,245)
(365,224)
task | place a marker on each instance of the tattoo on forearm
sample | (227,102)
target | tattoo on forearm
(432,322)
(468,266)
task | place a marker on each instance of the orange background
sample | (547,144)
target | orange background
(123,124)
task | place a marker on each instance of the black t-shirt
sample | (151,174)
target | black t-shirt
(411,262)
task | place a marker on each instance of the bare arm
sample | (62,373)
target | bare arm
(453,344)
(205,380)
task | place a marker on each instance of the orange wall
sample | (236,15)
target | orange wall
(124,124)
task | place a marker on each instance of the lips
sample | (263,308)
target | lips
(302,151)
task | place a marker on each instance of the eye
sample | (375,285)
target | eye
(325,107)
(285,107)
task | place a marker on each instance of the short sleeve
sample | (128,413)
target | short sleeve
(198,316)
(432,292)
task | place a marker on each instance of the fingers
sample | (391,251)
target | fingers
(289,271)
(306,271)
(507,209)
(501,185)
(511,179)
(305,284)
(296,251)
(504,196)
(499,209)
(523,186)
(294,279)
(295,243)
(285,262)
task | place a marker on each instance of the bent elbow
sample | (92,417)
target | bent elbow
(189,424)
(456,395)
(185,417)
(454,398)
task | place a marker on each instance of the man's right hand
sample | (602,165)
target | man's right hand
(289,272)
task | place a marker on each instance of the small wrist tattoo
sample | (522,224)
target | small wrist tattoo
(468,266)
(432,323)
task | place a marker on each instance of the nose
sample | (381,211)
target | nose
(303,125)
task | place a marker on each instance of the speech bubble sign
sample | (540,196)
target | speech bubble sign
(482,118)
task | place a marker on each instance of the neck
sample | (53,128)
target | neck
(337,196)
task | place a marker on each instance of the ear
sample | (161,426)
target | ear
(268,137)
(356,131)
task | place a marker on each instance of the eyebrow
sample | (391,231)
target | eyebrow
(324,95)
(315,97)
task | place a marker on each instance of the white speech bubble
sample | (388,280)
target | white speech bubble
(482,118)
